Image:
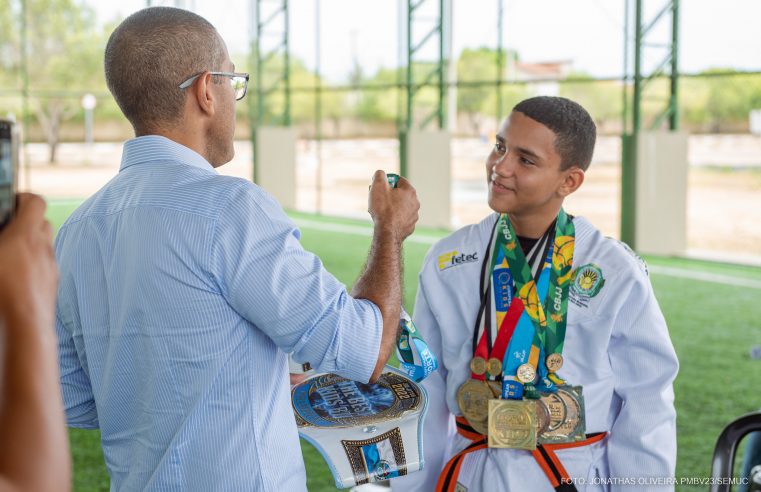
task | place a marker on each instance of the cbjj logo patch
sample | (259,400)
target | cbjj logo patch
(587,283)
(454,258)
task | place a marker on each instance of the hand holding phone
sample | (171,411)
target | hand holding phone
(7,172)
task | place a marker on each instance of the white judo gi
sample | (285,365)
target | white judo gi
(617,347)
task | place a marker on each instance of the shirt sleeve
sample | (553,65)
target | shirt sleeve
(269,279)
(642,440)
(78,398)
(438,425)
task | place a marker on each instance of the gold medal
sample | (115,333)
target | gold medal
(473,399)
(512,424)
(525,373)
(478,366)
(494,366)
(554,362)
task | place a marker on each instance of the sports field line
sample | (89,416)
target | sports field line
(358,230)
(705,276)
(430,239)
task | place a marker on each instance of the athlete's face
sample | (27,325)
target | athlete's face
(523,169)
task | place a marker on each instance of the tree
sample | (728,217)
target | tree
(302,104)
(64,52)
(730,97)
(603,99)
(380,105)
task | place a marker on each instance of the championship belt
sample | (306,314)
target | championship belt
(365,432)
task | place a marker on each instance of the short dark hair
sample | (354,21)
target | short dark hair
(150,54)
(575,131)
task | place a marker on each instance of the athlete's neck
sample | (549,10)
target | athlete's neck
(532,226)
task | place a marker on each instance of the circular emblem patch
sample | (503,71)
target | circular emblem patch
(587,280)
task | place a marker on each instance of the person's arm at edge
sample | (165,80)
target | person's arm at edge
(381,280)
(35,454)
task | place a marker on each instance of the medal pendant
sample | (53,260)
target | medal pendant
(512,424)
(554,362)
(473,399)
(478,366)
(525,373)
(494,366)
(567,416)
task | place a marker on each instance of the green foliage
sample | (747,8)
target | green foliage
(731,98)
(603,100)
(381,104)
(65,53)
(302,102)
(476,65)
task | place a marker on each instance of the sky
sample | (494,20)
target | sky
(589,33)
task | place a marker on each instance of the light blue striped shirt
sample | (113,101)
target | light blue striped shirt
(181,291)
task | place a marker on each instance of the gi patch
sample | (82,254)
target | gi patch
(460,488)
(587,281)
(453,258)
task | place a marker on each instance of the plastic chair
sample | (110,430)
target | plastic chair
(726,447)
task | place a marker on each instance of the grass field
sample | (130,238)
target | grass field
(713,324)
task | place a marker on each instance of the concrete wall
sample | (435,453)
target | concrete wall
(429,168)
(276,163)
(661,196)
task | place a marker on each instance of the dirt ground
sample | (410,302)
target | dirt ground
(724,183)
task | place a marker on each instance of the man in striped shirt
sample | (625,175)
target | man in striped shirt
(182,290)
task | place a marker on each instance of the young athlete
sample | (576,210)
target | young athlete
(556,366)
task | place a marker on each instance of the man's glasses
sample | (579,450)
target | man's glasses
(239,82)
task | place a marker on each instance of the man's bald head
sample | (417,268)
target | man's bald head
(150,54)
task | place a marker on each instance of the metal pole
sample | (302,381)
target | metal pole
(636,114)
(399,59)
(629,143)
(318,108)
(625,81)
(442,82)
(451,71)
(259,93)
(500,61)
(409,65)
(674,100)
(25,92)
(287,71)
(404,135)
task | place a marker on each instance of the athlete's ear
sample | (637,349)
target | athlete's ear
(574,177)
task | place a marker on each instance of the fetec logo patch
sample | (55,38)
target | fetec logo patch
(454,258)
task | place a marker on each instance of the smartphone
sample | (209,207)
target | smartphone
(7,172)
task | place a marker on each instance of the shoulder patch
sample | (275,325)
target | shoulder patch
(455,258)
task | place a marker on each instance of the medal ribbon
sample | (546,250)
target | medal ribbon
(549,331)
(500,345)
(500,313)
(415,358)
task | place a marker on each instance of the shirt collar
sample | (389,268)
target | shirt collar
(152,148)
